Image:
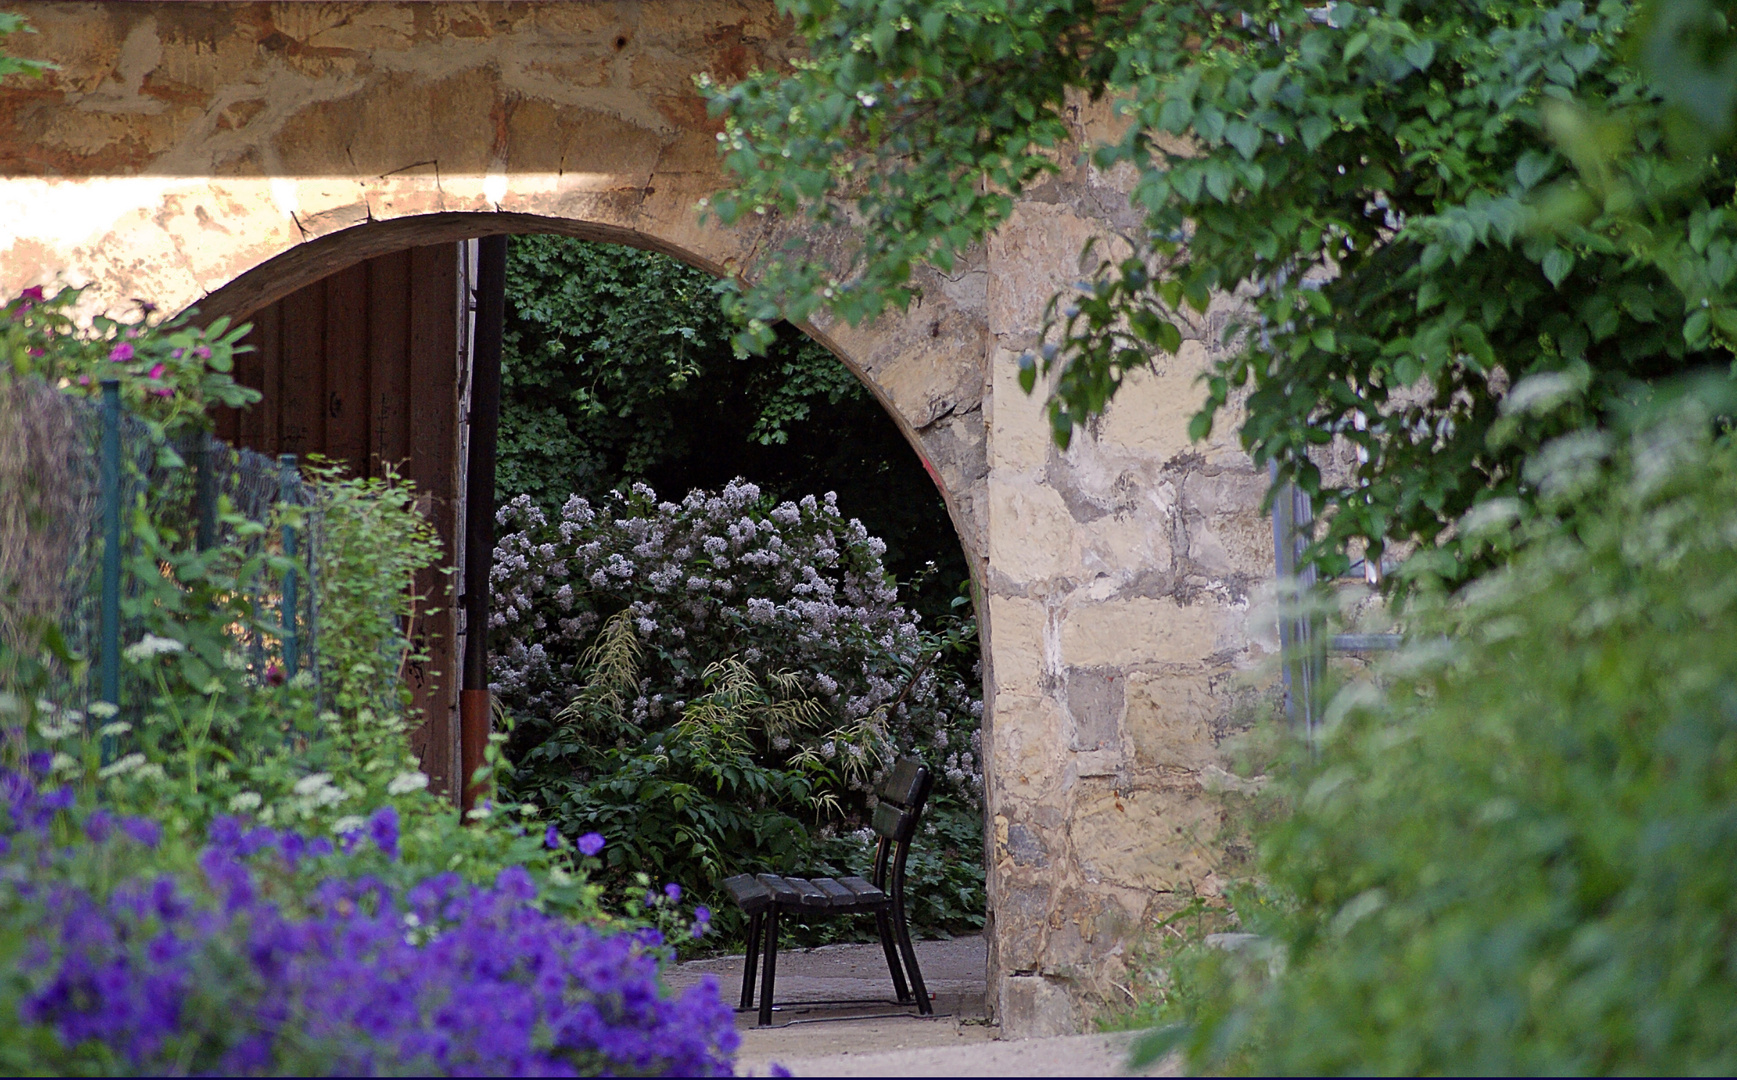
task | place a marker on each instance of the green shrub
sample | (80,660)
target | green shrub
(1519,854)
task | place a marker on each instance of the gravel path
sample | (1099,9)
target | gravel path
(862,1040)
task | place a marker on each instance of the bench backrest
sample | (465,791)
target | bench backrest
(896,816)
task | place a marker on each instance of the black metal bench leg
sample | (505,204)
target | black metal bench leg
(771,966)
(753,955)
(884,924)
(924,1008)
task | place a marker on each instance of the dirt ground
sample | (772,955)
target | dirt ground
(871,1037)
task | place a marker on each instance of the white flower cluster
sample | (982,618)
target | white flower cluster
(787,587)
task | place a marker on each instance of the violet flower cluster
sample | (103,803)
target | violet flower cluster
(786,587)
(246,967)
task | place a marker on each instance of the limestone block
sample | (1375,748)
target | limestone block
(1154,839)
(1031,533)
(1138,630)
(1033,256)
(1127,548)
(1169,720)
(1019,431)
(1030,736)
(1018,629)
(1035,1007)
(1022,909)
(1151,411)
(1227,533)
(1096,702)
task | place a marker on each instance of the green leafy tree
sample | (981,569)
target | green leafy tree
(1372,177)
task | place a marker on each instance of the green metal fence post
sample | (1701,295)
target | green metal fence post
(288,481)
(110,633)
(205,491)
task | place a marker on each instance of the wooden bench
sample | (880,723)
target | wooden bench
(765,896)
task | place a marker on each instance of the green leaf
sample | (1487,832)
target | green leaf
(1557,264)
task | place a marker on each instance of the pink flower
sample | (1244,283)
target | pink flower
(84,380)
(33,294)
(157,372)
(164,392)
(121,353)
(273,674)
(202,353)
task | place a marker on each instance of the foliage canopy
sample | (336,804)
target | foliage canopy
(1377,180)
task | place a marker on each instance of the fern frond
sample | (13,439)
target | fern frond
(613,660)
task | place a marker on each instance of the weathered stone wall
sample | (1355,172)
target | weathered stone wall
(228,153)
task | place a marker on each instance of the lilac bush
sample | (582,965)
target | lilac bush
(263,956)
(728,574)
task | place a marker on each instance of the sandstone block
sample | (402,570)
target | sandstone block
(1138,630)
(1154,839)
(1169,720)
(1031,534)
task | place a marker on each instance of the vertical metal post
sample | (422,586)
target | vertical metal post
(1297,631)
(286,492)
(474,719)
(205,492)
(110,633)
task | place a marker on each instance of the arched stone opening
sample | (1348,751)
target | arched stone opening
(180,149)
(362,352)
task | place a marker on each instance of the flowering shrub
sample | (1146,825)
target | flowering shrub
(717,685)
(279,954)
(787,587)
(171,371)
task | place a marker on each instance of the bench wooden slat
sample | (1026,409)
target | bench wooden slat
(863,890)
(900,785)
(891,822)
(750,895)
(836,894)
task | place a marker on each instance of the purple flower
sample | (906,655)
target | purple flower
(202,352)
(157,370)
(226,831)
(121,353)
(143,831)
(515,884)
(591,843)
(552,838)
(40,762)
(339,972)
(292,846)
(383,830)
(673,891)
(32,294)
(98,826)
(702,921)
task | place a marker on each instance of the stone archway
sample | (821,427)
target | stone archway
(225,153)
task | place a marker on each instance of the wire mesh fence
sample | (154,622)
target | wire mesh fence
(79,479)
